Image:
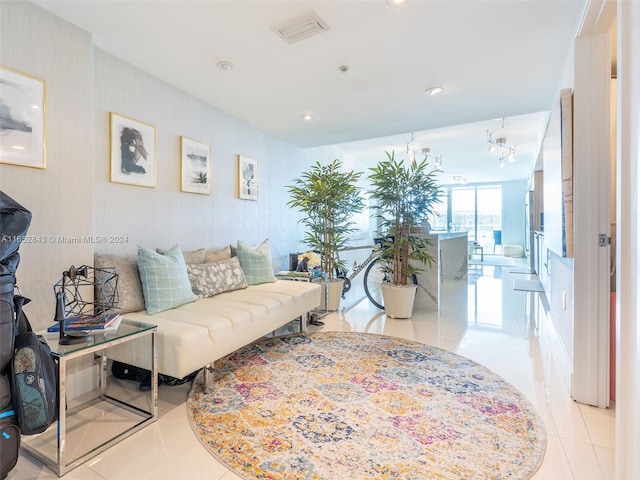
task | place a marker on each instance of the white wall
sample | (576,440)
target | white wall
(73,196)
(513,221)
(164,215)
(60,197)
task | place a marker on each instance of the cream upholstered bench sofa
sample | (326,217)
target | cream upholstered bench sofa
(208,326)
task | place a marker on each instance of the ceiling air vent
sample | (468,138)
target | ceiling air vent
(301,28)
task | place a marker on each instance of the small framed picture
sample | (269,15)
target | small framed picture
(22,119)
(247,178)
(133,152)
(195,166)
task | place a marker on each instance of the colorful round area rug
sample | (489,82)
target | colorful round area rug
(339,406)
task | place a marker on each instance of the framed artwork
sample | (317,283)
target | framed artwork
(247,178)
(133,152)
(558,177)
(195,166)
(22,119)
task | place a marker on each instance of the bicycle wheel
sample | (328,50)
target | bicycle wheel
(374,277)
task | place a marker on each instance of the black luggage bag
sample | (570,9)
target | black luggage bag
(14,223)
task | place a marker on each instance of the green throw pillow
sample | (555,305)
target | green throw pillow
(164,278)
(256,263)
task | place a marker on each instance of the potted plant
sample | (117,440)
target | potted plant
(328,197)
(403,196)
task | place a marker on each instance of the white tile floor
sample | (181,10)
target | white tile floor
(484,319)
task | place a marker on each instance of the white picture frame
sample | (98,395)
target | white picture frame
(22,119)
(133,151)
(248,179)
(195,166)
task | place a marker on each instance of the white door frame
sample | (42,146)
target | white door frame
(592,204)
(628,242)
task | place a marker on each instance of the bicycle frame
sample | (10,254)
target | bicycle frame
(342,272)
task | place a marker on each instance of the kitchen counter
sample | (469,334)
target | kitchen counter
(450,251)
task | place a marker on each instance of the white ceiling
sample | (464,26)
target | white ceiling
(495,59)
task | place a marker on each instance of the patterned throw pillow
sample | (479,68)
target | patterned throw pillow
(256,263)
(164,278)
(209,279)
(129,287)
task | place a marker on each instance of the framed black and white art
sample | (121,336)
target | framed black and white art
(247,178)
(195,166)
(133,152)
(22,119)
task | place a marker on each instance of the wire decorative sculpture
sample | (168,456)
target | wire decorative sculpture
(88,291)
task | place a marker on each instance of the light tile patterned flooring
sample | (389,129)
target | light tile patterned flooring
(484,319)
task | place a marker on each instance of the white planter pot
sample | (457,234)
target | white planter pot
(335,293)
(398,299)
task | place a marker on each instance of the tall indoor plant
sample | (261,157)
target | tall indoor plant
(403,195)
(328,197)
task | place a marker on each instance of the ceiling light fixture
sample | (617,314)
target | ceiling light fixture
(307,117)
(459,179)
(410,151)
(225,65)
(397,3)
(500,144)
(433,90)
(437,159)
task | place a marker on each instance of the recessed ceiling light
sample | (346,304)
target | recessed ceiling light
(433,90)
(397,3)
(307,117)
(225,65)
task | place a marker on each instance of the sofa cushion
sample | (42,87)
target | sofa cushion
(256,262)
(208,279)
(216,254)
(129,287)
(164,278)
(193,256)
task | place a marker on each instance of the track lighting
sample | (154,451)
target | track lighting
(459,179)
(437,159)
(500,144)
(411,153)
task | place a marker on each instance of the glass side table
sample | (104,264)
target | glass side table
(109,413)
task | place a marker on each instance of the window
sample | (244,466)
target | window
(476,210)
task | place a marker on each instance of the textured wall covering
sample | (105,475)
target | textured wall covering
(73,200)
(60,197)
(163,216)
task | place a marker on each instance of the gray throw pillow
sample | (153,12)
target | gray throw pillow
(129,286)
(193,256)
(216,254)
(208,279)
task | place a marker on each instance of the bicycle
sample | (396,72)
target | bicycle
(374,276)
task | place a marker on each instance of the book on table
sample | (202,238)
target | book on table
(294,273)
(89,323)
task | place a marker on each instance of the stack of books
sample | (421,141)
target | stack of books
(89,323)
(299,276)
